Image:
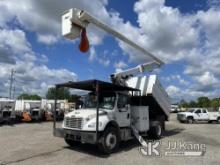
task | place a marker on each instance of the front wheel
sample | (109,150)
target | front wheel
(109,141)
(190,120)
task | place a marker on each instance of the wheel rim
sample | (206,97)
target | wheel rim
(158,130)
(190,121)
(111,140)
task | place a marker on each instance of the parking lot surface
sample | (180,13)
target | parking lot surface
(33,143)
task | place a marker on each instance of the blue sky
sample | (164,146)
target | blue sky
(181,33)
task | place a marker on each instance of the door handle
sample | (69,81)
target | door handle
(128,115)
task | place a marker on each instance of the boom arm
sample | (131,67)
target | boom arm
(121,77)
(74,20)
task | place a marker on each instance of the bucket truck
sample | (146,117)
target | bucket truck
(129,107)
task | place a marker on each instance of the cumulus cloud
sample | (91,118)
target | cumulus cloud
(119,66)
(103,59)
(32,75)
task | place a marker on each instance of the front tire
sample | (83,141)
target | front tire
(109,141)
(190,120)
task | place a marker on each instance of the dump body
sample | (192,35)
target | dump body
(152,93)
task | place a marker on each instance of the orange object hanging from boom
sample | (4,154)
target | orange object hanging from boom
(84,42)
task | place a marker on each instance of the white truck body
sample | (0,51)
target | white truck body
(198,114)
(7,109)
(118,112)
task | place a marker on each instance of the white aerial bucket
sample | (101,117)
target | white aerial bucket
(71,23)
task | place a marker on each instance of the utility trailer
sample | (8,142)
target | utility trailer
(129,107)
(7,110)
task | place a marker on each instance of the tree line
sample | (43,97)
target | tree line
(62,93)
(202,102)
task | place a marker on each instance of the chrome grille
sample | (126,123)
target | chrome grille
(73,122)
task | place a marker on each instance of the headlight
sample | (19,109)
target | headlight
(93,124)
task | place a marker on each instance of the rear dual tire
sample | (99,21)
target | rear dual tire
(156,131)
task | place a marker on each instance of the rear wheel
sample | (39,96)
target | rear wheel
(109,140)
(218,120)
(155,131)
(71,143)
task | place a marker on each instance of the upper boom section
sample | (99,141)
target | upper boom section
(74,20)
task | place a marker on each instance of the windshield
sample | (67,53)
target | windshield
(191,110)
(106,101)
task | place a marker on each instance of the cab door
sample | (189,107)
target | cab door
(198,114)
(205,115)
(123,110)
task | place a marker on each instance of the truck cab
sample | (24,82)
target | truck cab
(113,125)
(113,106)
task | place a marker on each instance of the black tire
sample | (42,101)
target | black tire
(71,143)
(155,131)
(109,141)
(218,120)
(190,120)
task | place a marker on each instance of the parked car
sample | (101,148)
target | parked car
(198,114)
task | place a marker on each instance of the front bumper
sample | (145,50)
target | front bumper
(181,117)
(76,135)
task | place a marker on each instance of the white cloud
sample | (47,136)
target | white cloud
(173,90)
(92,54)
(103,60)
(32,75)
(207,79)
(119,66)
(47,39)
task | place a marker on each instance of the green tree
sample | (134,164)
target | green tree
(203,102)
(62,93)
(192,104)
(184,104)
(215,103)
(26,96)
